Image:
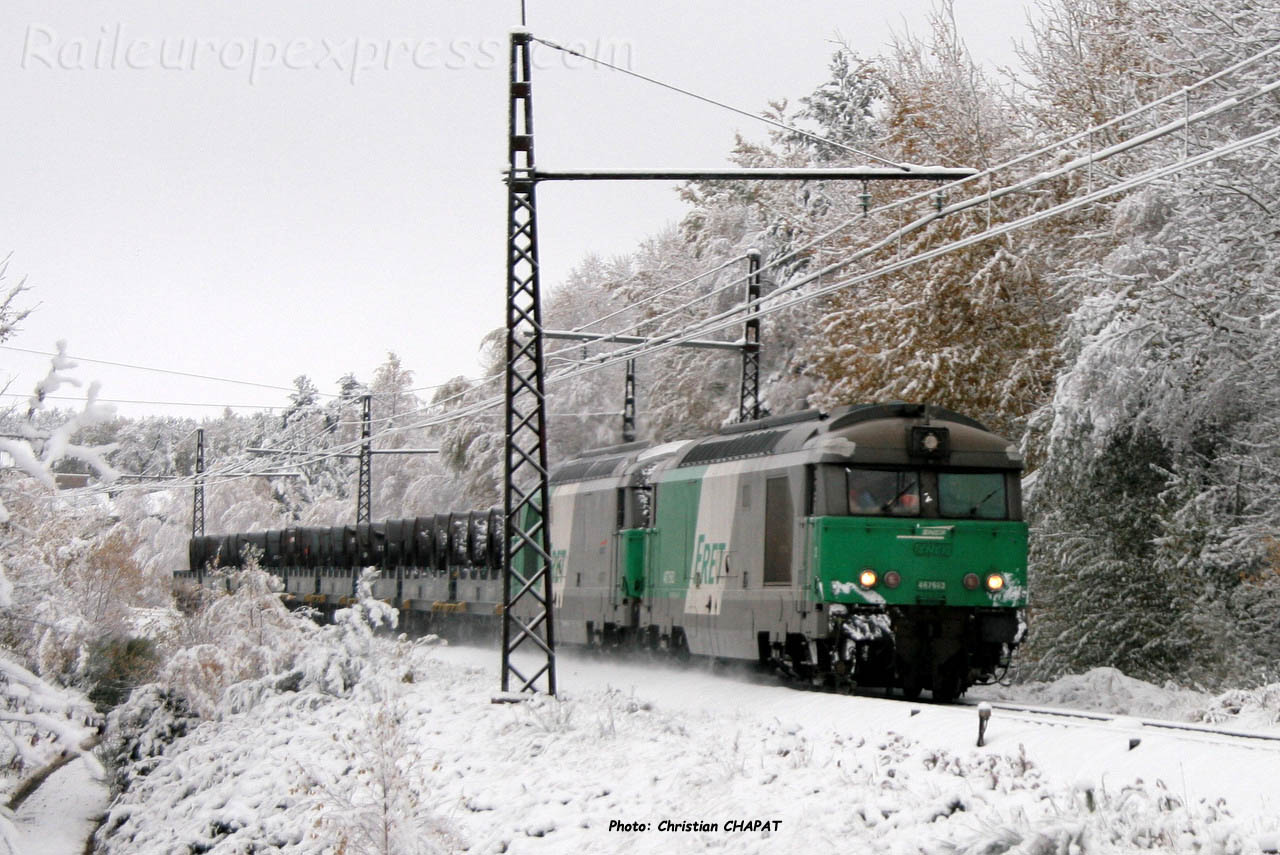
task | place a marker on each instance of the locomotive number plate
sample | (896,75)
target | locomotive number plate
(931,585)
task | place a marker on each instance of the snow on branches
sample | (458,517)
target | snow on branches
(35,454)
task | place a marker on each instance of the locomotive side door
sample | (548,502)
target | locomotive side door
(631,541)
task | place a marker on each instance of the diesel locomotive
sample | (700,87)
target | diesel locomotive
(875,545)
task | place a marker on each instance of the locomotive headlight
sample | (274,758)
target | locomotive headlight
(929,441)
(995,582)
(867,578)
(892,579)
(971,581)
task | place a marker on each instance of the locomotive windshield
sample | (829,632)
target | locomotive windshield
(883,492)
(922,493)
(972,495)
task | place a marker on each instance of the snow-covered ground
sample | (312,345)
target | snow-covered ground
(60,816)
(633,758)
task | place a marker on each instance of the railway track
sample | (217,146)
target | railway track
(1134,724)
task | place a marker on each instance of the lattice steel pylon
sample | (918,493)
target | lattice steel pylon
(197,502)
(527,584)
(749,392)
(364,501)
(197,505)
(629,403)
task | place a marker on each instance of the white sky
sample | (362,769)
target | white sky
(257,217)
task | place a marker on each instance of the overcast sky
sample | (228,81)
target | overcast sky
(260,190)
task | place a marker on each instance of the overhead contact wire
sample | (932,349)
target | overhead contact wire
(721,104)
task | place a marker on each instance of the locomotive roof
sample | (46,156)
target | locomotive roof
(875,430)
(588,468)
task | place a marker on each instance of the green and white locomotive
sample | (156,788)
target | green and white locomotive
(879,545)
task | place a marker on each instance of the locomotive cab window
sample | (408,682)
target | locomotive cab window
(972,495)
(882,492)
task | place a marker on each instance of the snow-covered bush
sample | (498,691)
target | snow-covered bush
(140,729)
(39,721)
(379,803)
(40,620)
(234,636)
(344,652)
(311,752)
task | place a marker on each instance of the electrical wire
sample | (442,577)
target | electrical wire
(721,104)
(722,321)
(158,370)
(153,403)
(769,304)
(1091,159)
(640,303)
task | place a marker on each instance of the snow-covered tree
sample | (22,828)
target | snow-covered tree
(471,444)
(302,400)
(1164,406)
(973,329)
(36,452)
(40,722)
(11,314)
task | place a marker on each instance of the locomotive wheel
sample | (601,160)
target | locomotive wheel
(948,679)
(909,678)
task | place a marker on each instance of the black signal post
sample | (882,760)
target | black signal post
(526,566)
(749,390)
(629,403)
(197,507)
(364,502)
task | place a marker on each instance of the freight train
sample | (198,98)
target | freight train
(875,545)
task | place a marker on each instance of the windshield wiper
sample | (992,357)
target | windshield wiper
(973,512)
(884,509)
